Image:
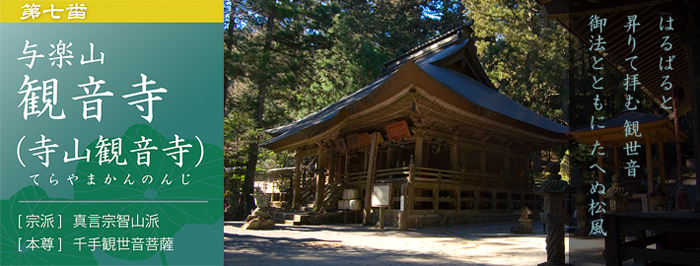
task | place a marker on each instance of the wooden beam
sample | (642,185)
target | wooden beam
(307,152)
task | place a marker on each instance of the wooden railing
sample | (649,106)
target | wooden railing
(308,189)
(354,178)
(425,174)
(333,190)
(393,174)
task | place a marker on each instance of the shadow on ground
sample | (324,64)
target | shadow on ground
(466,231)
(321,247)
(255,250)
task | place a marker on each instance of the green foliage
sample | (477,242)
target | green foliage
(366,34)
(524,54)
(565,166)
(536,62)
(269,53)
(233,185)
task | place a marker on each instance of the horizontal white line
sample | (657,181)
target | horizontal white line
(114,201)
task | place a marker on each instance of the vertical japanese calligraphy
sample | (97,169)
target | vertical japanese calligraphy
(597,25)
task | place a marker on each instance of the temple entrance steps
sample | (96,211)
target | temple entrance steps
(308,207)
(288,217)
(311,218)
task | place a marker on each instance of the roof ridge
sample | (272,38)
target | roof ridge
(427,44)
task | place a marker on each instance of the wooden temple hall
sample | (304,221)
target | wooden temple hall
(432,127)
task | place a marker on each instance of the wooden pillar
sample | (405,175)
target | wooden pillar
(650,167)
(331,169)
(296,202)
(339,163)
(320,178)
(436,196)
(662,166)
(418,155)
(477,198)
(694,66)
(365,159)
(616,163)
(506,165)
(371,171)
(601,175)
(454,153)
(535,161)
(458,198)
(403,222)
(407,193)
(482,160)
(389,156)
(409,189)
(691,43)
(347,163)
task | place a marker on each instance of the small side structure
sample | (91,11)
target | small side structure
(276,183)
(646,150)
(432,126)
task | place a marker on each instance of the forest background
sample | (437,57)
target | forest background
(286,59)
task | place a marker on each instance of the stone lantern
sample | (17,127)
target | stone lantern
(554,216)
(260,218)
(581,206)
(525,226)
(617,195)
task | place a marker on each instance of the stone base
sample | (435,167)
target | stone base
(258,223)
(523,228)
(260,213)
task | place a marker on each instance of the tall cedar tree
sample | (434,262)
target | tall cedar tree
(269,51)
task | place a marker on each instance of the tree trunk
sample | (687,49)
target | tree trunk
(253,149)
(228,82)
(228,87)
(249,180)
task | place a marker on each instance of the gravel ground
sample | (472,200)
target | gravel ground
(476,244)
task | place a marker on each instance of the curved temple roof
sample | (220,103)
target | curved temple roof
(467,87)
